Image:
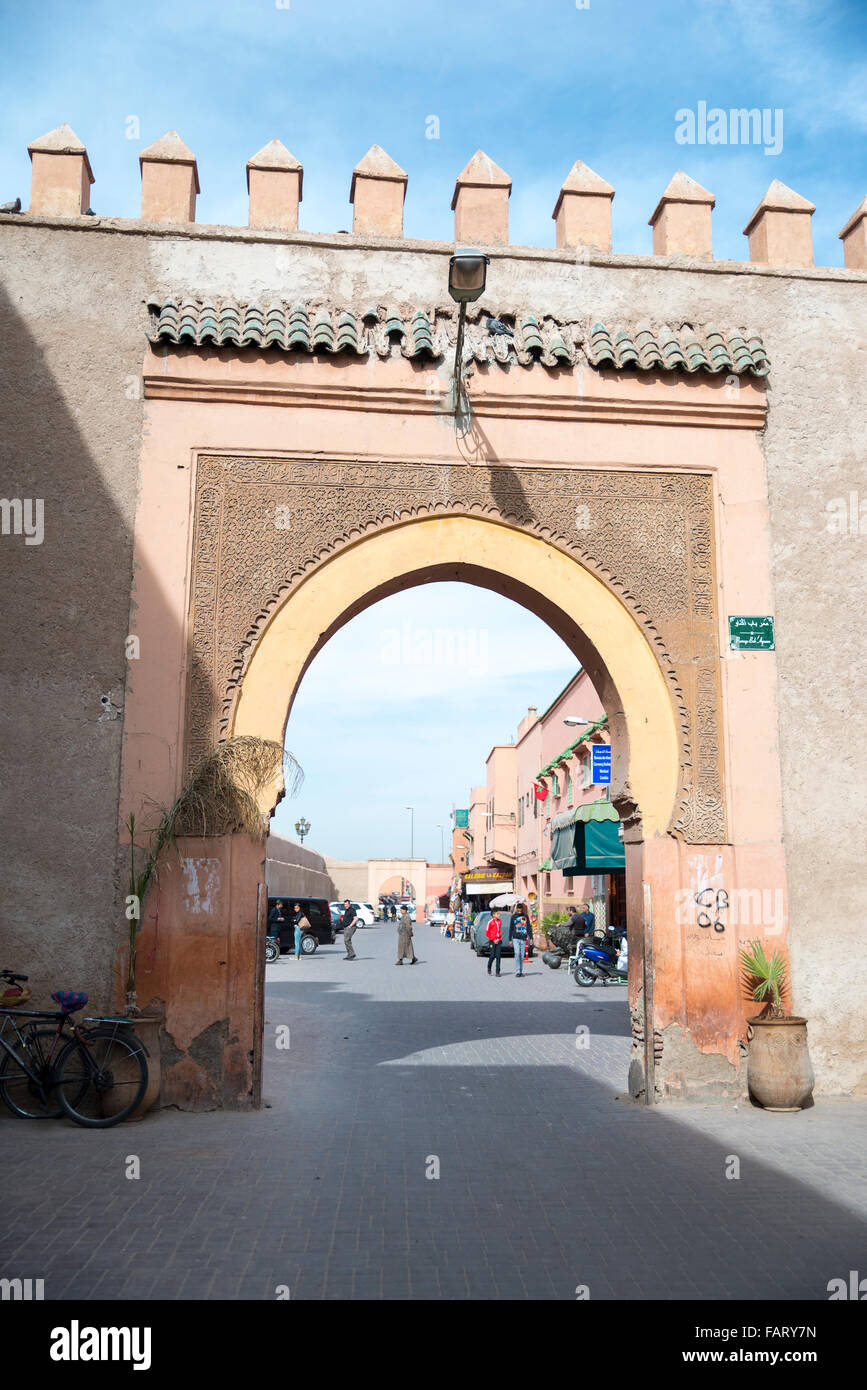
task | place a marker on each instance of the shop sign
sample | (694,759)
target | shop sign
(600,764)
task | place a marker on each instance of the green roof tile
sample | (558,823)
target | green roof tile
(540,341)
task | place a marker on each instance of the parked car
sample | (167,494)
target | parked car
(480,943)
(316,911)
(374,912)
(335,916)
(438,916)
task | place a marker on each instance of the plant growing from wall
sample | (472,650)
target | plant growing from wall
(764,978)
(220,797)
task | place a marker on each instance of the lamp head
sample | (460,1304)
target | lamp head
(468,269)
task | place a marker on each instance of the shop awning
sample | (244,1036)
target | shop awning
(587,811)
(586,840)
(603,847)
(564,848)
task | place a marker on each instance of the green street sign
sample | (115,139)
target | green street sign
(462,818)
(751,634)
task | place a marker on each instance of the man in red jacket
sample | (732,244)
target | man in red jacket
(494,933)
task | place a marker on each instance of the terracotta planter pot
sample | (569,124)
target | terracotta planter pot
(779,1073)
(148,1029)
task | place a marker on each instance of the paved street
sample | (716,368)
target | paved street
(547,1179)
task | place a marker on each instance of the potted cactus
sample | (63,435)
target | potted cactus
(779,1073)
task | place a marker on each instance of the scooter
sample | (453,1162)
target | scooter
(597,960)
(272,949)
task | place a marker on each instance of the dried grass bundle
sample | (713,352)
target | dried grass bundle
(222,794)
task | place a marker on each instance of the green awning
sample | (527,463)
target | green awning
(598,848)
(603,847)
(564,848)
(547,866)
(600,810)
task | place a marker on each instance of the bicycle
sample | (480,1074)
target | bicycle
(94,1075)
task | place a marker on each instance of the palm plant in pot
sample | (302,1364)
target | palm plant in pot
(779,1074)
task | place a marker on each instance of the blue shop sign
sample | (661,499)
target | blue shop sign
(600,764)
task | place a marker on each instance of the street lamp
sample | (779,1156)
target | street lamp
(302,828)
(411,830)
(468,269)
(442,845)
(576,719)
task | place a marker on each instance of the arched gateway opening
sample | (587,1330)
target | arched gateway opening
(607,637)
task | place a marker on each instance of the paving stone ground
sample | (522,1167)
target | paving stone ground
(547,1179)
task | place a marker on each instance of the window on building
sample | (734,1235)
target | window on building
(585,768)
(547,883)
(569,785)
(555,785)
(535,808)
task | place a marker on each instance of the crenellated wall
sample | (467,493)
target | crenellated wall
(778,230)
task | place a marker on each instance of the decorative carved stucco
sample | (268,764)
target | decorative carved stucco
(648,536)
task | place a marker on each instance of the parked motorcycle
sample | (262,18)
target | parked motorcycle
(272,949)
(603,957)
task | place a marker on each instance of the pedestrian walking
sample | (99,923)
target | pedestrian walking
(405,947)
(349,922)
(494,933)
(519,934)
(302,924)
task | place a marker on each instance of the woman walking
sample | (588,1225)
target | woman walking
(301,925)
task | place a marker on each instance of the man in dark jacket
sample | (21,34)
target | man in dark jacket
(349,922)
(519,932)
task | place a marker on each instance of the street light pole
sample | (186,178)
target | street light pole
(442,845)
(411,810)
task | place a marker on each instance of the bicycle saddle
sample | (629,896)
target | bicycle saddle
(69,1000)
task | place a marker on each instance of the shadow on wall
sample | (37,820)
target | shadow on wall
(69,445)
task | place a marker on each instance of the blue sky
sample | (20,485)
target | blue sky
(537,84)
(401,709)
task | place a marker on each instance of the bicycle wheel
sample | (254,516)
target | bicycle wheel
(18,1091)
(101,1076)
